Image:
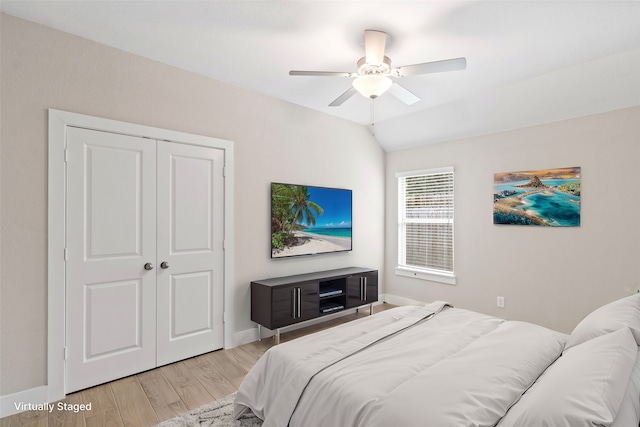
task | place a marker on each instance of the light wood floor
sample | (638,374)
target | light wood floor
(150,397)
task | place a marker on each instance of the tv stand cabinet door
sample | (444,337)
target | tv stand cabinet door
(362,289)
(294,303)
(371,283)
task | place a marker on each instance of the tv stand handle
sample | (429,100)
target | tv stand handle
(363,288)
(295,303)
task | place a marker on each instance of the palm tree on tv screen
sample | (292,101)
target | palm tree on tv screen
(291,205)
(305,209)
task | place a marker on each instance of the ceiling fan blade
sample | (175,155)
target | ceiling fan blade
(403,94)
(346,95)
(374,42)
(320,73)
(431,67)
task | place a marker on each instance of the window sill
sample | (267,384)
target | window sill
(449,279)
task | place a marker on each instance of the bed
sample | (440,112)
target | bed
(437,365)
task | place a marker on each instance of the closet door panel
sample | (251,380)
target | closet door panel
(111,235)
(190,250)
(190,188)
(191,292)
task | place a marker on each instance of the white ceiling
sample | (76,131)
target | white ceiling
(528,62)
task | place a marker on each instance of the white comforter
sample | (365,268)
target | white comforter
(408,366)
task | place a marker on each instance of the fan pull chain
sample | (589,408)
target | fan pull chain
(373,116)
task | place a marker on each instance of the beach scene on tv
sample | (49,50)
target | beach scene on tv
(549,197)
(308,220)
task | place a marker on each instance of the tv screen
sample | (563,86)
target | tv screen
(307,220)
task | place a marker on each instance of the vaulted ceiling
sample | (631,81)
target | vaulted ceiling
(528,62)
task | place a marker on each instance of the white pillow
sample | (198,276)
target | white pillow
(629,412)
(584,387)
(618,314)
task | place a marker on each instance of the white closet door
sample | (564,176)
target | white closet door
(190,242)
(111,235)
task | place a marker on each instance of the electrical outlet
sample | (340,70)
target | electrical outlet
(500,302)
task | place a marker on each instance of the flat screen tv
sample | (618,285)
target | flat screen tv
(307,220)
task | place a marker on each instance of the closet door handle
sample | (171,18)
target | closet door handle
(148,266)
(365,288)
(164,265)
(299,292)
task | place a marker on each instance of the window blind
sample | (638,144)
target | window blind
(425,220)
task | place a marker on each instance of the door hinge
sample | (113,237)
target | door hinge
(66,155)
(224,317)
(66,254)
(65,353)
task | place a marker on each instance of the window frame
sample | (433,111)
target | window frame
(424,273)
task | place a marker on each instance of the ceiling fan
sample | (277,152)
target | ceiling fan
(373,76)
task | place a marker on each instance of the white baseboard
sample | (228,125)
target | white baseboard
(244,337)
(14,403)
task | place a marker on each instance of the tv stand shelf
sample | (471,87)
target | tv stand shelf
(284,301)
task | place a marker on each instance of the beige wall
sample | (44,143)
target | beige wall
(550,276)
(274,141)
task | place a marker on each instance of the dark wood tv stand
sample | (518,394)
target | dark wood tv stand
(284,301)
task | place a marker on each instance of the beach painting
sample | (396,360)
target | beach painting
(548,197)
(307,220)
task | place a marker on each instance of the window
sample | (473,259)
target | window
(425,224)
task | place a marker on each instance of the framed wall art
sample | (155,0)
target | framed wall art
(549,197)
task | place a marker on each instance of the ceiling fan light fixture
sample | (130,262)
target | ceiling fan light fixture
(372,85)
(374,72)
